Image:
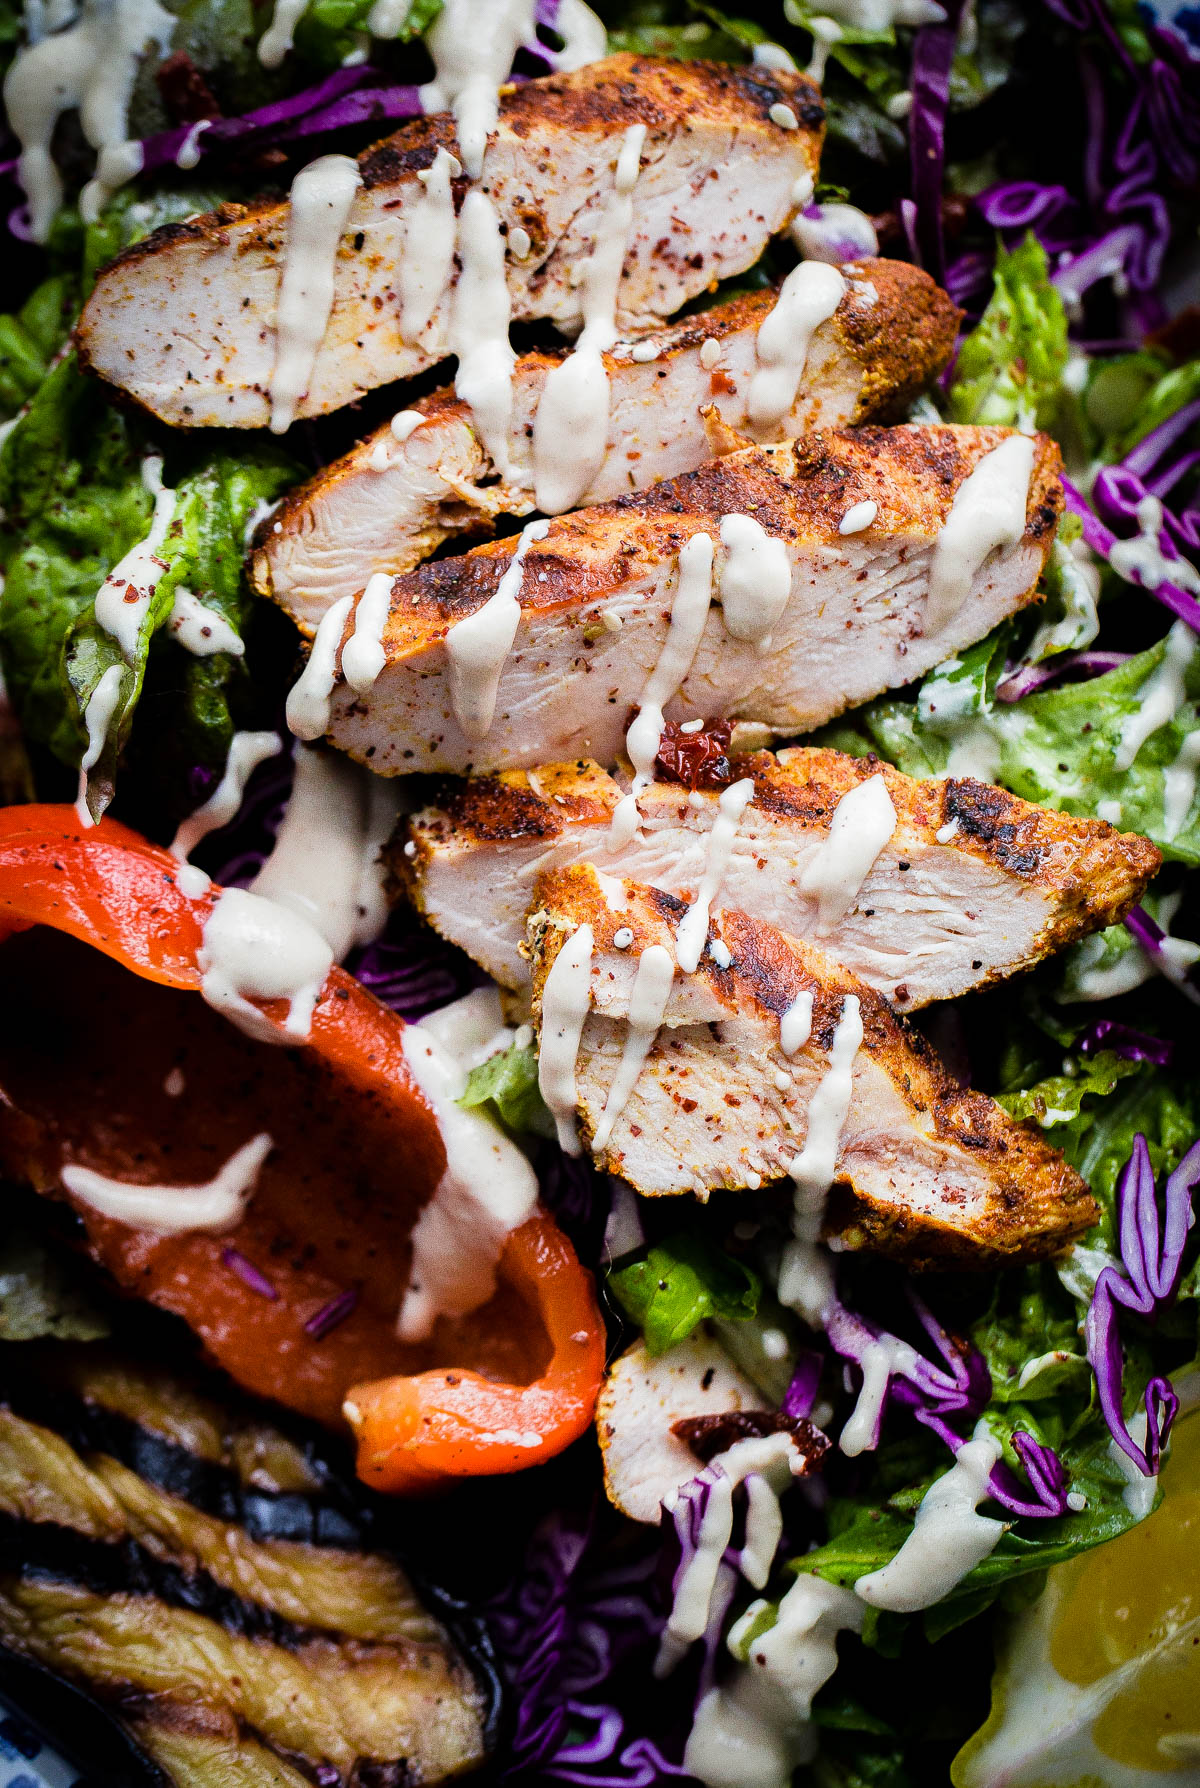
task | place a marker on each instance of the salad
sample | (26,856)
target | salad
(599,772)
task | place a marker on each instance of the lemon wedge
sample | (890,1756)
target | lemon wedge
(1098,1685)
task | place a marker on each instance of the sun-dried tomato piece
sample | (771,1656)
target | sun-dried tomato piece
(709,1435)
(698,760)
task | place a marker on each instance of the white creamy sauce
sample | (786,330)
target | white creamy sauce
(805,1280)
(188,154)
(246,752)
(570,428)
(647,1008)
(254,949)
(692,934)
(487,1188)
(97,718)
(324,862)
(479,320)
(566,997)
(858,517)
(363,656)
(754,1730)
(427,262)
(1179,786)
(216,1206)
(472,43)
(1093,980)
(200,630)
(773,55)
(585,37)
(477,647)
(755,579)
(808,297)
(276,40)
(862,825)
(90,67)
(839,233)
(795,1026)
(1142,560)
(988,512)
(772,1459)
(1160,698)
(318,212)
(949,1537)
(883,15)
(825,33)
(123,599)
(309,699)
(689,612)
(880,1360)
(405,423)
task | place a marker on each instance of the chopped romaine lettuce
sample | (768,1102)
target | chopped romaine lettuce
(507,1083)
(1010,366)
(679,1283)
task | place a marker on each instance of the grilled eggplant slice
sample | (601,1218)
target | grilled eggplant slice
(233,1659)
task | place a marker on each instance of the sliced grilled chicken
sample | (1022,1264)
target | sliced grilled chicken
(597,593)
(973,885)
(643,1397)
(185,322)
(925,1171)
(388,504)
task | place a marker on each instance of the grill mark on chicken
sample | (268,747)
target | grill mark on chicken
(385,506)
(930,1173)
(853,625)
(184,324)
(1011,884)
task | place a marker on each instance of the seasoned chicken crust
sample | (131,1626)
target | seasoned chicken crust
(927,1172)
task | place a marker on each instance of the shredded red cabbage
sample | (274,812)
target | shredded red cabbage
(249,1274)
(932,55)
(331,1314)
(1119,1039)
(1150,935)
(1151,1249)
(1115,489)
(1030,677)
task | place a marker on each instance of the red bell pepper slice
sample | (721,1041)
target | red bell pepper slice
(528,1365)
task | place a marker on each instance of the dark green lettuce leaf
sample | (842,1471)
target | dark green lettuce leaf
(40,1294)
(670,1288)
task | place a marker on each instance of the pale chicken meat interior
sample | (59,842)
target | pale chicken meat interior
(973,884)
(925,1171)
(678,396)
(599,586)
(185,322)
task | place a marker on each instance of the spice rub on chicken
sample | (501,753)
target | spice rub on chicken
(843,564)
(186,321)
(973,884)
(718,1093)
(677,398)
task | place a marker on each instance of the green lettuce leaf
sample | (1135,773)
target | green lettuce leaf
(507,1084)
(1058,1102)
(1057,746)
(679,1283)
(74,499)
(1010,366)
(329,30)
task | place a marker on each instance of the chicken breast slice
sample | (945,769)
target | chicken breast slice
(184,322)
(926,1171)
(388,504)
(641,1399)
(597,592)
(973,885)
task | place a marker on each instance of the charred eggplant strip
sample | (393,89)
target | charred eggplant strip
(322,1702)
(362,1595)
(234,1662)
(214,1489)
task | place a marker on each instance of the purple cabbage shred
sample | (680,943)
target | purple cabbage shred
(330,1315)
(249,1274)
(1151,1248)
(1131,1045)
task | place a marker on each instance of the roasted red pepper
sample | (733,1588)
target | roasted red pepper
(134,1076)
